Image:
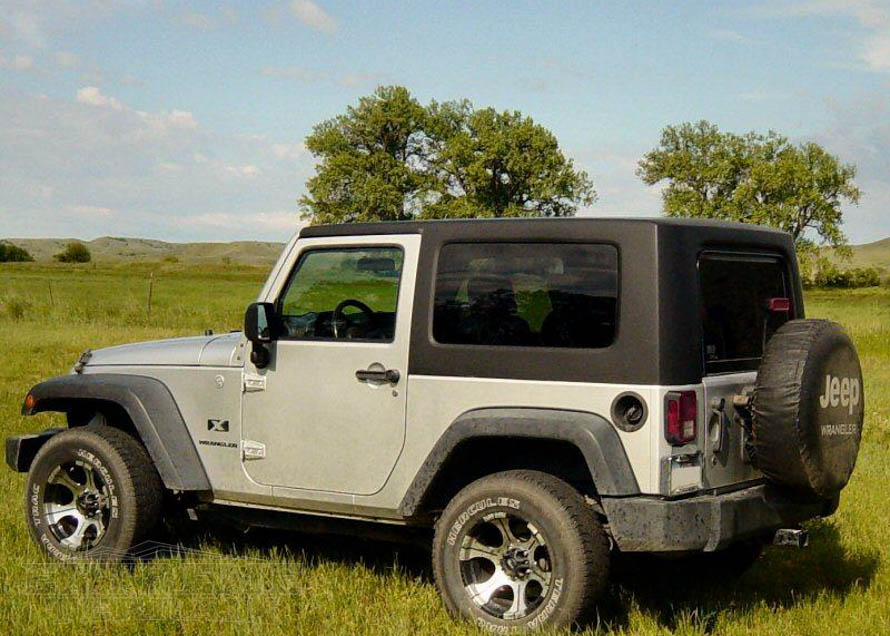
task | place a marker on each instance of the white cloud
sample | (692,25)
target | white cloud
(876,51)
(182,118)
(314,16)
(94,97)
(156,172)
(66,59)
(243,171)
(204,22)
(25,25)
(358,79)
(17,63)
(288,152)
(872,45)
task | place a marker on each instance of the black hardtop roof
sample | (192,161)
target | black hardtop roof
(532,226)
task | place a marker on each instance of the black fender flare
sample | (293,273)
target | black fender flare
(590,433)
(152,409)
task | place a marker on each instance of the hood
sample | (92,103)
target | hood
(221,351)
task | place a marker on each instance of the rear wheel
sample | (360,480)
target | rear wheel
(520,550)
(92,493)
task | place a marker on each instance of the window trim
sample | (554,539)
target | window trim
(732,365)
(527,348)
(341,248)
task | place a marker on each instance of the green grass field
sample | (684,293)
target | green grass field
(273,583)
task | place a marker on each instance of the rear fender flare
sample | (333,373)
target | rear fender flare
(590,433)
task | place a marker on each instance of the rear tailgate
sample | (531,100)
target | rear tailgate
(745,297)
(723,438)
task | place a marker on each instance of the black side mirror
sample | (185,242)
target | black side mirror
(260,329)
(259,323)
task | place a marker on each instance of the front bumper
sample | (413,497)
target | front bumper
(21,449)
(705,522)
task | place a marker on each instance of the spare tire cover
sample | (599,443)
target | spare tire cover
(808,408)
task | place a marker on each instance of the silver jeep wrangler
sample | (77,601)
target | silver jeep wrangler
(542,393)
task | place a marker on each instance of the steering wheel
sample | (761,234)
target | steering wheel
(338,316)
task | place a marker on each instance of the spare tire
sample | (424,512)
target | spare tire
(807,409)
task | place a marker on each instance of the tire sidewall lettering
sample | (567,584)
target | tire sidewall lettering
(42,532)
(474,509)
(485,508)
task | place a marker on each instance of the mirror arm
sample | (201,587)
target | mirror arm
(259,355)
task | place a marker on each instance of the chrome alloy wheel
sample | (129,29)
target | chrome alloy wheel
(505,566)
(76,505)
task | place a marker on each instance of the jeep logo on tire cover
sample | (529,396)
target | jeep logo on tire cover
(843,391)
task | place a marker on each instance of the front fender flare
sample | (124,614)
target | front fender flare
(151,408)
(590,433)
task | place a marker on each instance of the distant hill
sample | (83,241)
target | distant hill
(116,249)
(875,254)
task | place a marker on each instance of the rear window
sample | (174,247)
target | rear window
(736,318)
(526,294)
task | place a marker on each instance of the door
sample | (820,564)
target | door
(328,412)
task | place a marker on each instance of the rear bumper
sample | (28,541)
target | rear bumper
(705,522)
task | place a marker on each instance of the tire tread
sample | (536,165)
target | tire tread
(592,554)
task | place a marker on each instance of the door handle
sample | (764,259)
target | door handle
(378,375)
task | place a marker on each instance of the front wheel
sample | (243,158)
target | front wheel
(519,550)
(92,493)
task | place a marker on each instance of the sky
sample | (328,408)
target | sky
(186,120)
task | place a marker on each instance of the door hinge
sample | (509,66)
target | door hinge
(254,382)
(252,450)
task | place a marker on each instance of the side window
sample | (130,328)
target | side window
(737,314)
(526,295)
(342,294)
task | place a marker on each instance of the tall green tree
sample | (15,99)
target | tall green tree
(389,158)
(369,161)
(752,178)
(495,164)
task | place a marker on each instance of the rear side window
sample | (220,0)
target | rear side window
(526,295)
(737,319)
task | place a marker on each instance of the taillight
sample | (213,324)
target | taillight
(780,304)
(680,416)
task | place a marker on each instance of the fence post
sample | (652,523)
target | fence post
(52,302)
(151,280)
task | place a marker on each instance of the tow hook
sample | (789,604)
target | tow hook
(792,537)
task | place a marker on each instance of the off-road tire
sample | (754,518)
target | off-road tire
(576,543)
(133,492)
(801,441)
